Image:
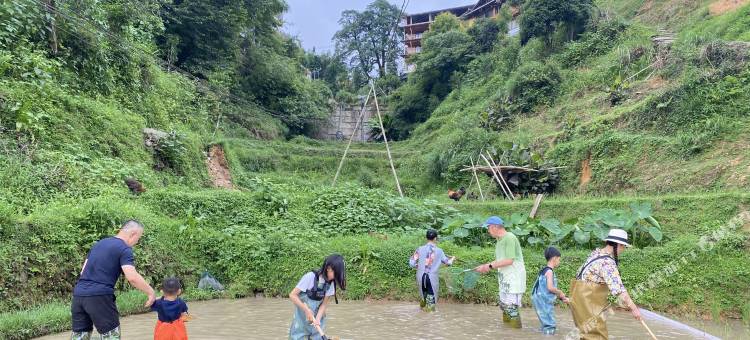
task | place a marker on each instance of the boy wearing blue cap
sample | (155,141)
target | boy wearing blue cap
(511,276)
(427,260)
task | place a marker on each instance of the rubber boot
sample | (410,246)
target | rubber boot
(112,335)
(514,316)
(80,336)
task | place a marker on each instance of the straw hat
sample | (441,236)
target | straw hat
(618,236)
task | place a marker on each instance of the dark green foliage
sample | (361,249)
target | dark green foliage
(598,39)
(169,150)
(440,65)
(534,83)
(541,18)
(543,181)
(485,33)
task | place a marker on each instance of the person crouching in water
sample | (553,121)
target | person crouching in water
(311,297)
(172,312)
(427,260)
(545,291)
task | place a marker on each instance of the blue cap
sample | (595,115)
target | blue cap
(494,220)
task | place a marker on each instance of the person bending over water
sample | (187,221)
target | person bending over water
(427,260)
(94,294)
(311,297)
(172,312)
(598,277)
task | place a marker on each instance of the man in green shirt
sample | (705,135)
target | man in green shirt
(511,273)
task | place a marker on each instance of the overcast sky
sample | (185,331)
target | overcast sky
(315,21)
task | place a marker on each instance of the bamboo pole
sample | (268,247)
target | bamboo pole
(649,330)
(351,138)
(476,177)
(385,139)
(499,182)
(537,202)
(500,174)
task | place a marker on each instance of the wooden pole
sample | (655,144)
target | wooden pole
(351,138)
(649,330)
(476,177)
(385,139)
(494,175)
(537,201)
(500,174)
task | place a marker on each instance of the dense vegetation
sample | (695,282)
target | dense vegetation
(588,91)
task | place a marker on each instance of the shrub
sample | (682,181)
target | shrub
(532,84)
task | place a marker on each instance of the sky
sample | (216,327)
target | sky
(315,22)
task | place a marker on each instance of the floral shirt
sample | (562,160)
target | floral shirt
(603,271)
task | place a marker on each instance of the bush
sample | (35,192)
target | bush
(534,83)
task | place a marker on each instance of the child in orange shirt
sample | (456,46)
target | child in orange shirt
(172,312)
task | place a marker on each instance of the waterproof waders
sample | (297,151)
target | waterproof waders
(428,296)
(301,329)
(588,302)
(511,315)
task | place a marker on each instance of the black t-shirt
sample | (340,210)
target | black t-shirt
(103,267)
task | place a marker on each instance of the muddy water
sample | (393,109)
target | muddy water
(270,318)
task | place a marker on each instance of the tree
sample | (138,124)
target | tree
(485,32)
(328,68)
(444,22)
(541,18)
(209,35)
(444,58)
(368,40)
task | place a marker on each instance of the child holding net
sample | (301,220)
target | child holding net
(427,259)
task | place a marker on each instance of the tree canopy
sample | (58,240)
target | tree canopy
(541,18)
(368,40)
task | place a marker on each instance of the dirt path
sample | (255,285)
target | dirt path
(218,168)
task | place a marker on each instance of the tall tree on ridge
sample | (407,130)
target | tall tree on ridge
(367,40)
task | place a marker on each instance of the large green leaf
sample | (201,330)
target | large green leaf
(655,233)
(552,225)
(653,222)
(534,240)
(461,232)
(520,232)
(642,210)
(565,230)
(582,237)
(518,219)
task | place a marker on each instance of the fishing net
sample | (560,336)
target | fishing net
(461,278)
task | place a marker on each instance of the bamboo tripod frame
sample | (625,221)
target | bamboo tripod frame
(374,94)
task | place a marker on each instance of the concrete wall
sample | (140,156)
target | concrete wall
(341,122)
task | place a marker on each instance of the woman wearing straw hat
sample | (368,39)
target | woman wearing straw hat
(596,279)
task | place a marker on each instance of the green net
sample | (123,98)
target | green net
(461,279)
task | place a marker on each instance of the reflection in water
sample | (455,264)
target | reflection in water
(270,318)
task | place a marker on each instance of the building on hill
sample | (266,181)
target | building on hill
(415,25)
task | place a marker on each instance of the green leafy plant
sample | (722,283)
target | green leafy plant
(169,151)
(587,230)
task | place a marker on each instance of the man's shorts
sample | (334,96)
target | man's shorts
(509,299)
(94,311)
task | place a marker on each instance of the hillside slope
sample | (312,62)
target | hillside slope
(641,116)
